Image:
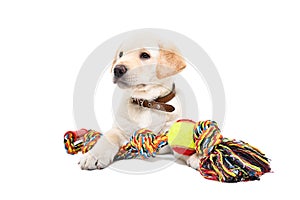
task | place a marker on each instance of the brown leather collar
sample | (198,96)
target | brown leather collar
(158,103)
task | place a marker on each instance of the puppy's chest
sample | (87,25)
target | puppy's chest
(147,118)
(131,117)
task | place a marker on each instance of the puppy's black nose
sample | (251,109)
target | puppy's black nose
(119,70)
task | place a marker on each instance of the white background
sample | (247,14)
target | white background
(255,46)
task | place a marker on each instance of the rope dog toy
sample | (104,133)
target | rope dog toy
(144,144)
(222,159)
(82,140)
(227,160)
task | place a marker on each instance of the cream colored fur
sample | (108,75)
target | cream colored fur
(147,79)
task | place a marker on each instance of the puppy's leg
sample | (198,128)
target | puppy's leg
(194,160)
(102,154)
(165,150)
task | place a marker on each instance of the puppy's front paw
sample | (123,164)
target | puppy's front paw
(193,161)
(103,152)
(89,161)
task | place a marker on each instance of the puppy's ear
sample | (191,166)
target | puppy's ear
(169,63)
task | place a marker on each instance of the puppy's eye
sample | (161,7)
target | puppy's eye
(120,54)
(144,55)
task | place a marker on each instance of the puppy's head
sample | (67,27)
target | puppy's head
(137,67)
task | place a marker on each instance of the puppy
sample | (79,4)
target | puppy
(149,99)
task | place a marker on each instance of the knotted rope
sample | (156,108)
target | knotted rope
(82,140)
(222,159)
(227,160)
(144,144)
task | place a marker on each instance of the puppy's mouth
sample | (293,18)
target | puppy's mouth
(115,80)
(120,80)
(121,83)
(127,80)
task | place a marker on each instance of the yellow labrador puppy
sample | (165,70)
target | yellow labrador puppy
(149,99)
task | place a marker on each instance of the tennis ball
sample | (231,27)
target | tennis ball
(180,137)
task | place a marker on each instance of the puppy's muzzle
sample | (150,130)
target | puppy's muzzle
(119,71)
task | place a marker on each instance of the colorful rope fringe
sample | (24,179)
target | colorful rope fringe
(227,160)
(222,160)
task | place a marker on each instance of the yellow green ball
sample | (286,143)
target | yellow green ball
(180,137)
